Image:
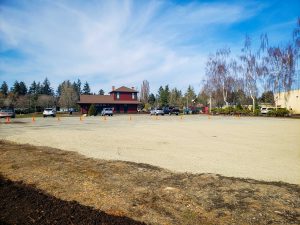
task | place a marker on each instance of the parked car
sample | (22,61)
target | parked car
(166,110)
(174,110)
(157,111)
(7,112)
(265,110)
(49,112)
(107,112)
(187,111)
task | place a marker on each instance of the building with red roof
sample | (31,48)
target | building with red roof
(122,100)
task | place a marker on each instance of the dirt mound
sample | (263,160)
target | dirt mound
(23,204)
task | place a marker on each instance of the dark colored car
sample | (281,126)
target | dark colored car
(7,112)
(174,110)
(166,110)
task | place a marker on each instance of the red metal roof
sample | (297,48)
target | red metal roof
(103,99)
(124,89)
(91,99)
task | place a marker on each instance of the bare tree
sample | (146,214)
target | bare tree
(218,73)
(251,70)
(145,90)
(23,103)
(296,40)
(281,69)
(68,96)
(45,101)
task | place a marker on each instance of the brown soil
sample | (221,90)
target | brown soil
(23,204)
(147,193)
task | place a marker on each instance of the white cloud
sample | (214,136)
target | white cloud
(112,42)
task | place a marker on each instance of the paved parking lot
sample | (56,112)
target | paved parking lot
(259,148)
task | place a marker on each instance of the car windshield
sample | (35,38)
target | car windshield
(6,110)
(48,109)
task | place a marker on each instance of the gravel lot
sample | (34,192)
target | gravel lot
(258,148)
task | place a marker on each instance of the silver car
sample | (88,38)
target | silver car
(107,112)
(157,111)
(49,112)
(7,113)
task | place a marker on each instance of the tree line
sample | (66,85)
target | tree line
(39,95)
(268,69)
(230,80)
(237,80)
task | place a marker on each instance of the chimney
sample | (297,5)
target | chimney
(113,88)
(132,88)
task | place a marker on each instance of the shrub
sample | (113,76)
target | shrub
(256,112)
(92,110)
(280,112)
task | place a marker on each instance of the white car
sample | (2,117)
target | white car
(107,112)
(265,110)
(49,112)
(157,111)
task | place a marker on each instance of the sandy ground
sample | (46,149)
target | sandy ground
(258,148)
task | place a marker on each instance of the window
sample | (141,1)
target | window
(133,96)
(118,95)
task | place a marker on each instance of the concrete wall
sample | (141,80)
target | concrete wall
(292,101)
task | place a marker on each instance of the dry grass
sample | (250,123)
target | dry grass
(149,193)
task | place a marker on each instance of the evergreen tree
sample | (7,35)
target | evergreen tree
(101,92)
(190,95)
(267,97)
(39,88)
(16,88)
(163,95)
(151,99)
(86,89)
(77,86)
(4,88)
(33,88)
(92,110)
(46,88)
(23,88)
(175,97)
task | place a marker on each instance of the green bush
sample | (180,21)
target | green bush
(256,112)
(271,112)
(280,112)
(92,110)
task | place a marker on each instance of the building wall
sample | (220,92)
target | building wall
(293,101)
(84,108)
(124,96)
(132,108)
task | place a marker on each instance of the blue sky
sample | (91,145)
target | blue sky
(124,42)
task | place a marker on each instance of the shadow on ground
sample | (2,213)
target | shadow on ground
(24,204)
